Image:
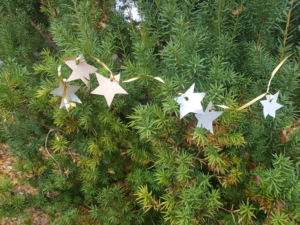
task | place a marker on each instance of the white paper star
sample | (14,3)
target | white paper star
(108,88)
(205,120)
(270,107)
(81,71)
(70,94)
(193,104)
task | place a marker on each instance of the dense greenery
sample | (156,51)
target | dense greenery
(136,162)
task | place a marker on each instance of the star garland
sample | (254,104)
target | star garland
(67,92)
(108,87)
(189,102)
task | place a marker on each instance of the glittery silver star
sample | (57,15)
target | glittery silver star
(205,120)
(190,102)
(70,94)
(270,105)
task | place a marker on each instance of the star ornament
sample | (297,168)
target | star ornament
(205,120)
(81,71)
(108,87)
(70,94)
(190,102)
(270,105)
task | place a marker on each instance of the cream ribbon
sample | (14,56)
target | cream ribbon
(69,105)
(112,75)
(139,76)
(264,94)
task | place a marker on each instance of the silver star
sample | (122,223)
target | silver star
(270,105)
(70,94)
(193,104)
(205,120)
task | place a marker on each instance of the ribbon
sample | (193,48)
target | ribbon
(78,59)
(103,64)
(276,69)
(112,75)
(69,105)
(70,58)
(64,83)
(262,95)
(139,76)
(183,95)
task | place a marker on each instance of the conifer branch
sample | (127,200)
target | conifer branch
(35,119)
(11,15)
(219,16)
(259,34)
(81,24)
(122,43)
(45,36)
(286,30)
(152,219)
(162,151)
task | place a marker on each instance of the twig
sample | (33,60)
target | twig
(152,220)
(35,119)
(121,39)
(199,151)
(201,161)
(230,211)
(233,215)
(70,153)
(94,131)
(152,165)
(286,30)
(219,16)
(47,38)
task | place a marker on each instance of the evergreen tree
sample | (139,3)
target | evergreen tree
(137,162)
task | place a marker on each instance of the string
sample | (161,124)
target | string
(264,94)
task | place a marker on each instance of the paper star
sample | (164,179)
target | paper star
(205,120)
(193,104)
(70,94)
(270,106)
(108,87)
(81,71)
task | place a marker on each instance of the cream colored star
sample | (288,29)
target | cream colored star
(108,87)
(81,71)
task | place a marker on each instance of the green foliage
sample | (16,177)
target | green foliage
(136,162)
(246,213)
